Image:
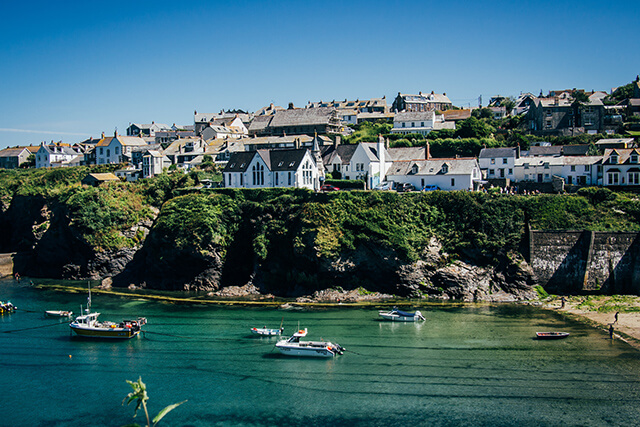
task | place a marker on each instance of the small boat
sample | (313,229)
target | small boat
(551,335)
(294,347)
(267,331)
(88,326)
(58,313)
(7,307)
(401,316)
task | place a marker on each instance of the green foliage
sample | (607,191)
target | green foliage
(473,128)
(344,184)
(140,396)
(542,294)
(597,195)
(367,132)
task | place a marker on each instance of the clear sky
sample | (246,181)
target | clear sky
(70,70)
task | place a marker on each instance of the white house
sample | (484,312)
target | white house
(498,163)
(621,167)
(57,155)
(117,149)
(447,174)
(538,169)
(220,132)
(421,122)
(581,170)
(137,129)
(272,168)
(153,163)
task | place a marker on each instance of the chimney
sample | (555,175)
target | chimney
(381,158)
(337,142)
(102,135)
(518,151)
(427,152)
(297,143)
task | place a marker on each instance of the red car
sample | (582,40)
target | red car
(329,187)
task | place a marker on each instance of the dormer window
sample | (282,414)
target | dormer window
(445,168)
(634,157)
(414,169)
(613,159)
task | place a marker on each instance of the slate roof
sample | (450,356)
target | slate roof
(284,160)
(624,155)
(414,116)
(239,161)
(581,160)
(542,150)
(575,150)
(12,151)
(407,153)
(461,166)
(425,98)
(302,117)
(260,123)
(344,152)
(371,150)
(497,152)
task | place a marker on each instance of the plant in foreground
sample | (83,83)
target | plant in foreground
(139,394)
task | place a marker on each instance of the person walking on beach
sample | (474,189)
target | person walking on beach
(562,301)
(616,317)
(611,330)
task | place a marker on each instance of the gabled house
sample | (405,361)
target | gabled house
(236,121)
(153,163)
(149,130)
(117,149)
(221,132)
(621,167)
(183,151)
(421,122)
(421,102)
(57,155)
(447,174)
(13,157)
(498,163)
(538,169)
(370,162)
(297,121)
(582,170)
(336,160)
(272,168)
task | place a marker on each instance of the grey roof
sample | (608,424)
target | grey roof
(408,153)
(550,150)
(463,166)
(302,116)
(12,152)
(414,116)
(345,152)
(283,160)
(614,141)
(259,123)
(575,150)
(497,152)
(239,161)
(624,155)
(371,150)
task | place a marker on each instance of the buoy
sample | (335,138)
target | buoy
(69,356)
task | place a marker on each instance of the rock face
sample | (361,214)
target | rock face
(50,247)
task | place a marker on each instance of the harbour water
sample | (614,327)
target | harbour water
(473,365)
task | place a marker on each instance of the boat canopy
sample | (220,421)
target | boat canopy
(404,313)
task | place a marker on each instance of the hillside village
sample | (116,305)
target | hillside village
(381,144)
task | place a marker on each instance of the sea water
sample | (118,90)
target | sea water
(471,365)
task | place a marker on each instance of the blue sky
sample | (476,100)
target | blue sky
(70,70)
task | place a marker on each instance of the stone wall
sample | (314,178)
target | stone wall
(6,264)
(586,261)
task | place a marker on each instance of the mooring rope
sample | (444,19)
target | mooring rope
(34,327)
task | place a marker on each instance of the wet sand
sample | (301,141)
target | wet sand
(599,311)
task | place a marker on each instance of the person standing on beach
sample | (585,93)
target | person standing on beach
(616,317)
(562,301)
(611,330)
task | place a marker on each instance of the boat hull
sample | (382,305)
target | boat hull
(304,351)
(57,313)
(107,333)
(551,335)
(398,318)
(268,332)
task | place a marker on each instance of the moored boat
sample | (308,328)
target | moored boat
(88,326)
(7,307)
(294,347)
(58,313)
(401,316)
(551,335)
(267,331)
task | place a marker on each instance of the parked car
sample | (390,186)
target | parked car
(430,188)
(385,186)
(406,187)
(329,187)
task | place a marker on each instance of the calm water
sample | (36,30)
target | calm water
(474,365)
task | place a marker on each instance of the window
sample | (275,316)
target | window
(546,176)
(241,179)
(108,153)
(586,168)
(569,180)
(491,172)
(289,179)
(510,171)
(116,150)
(493,161)
(422,125)
(504,161)
(453,182)
(613,159)
(277,178)
(634,158)
(413,124)
(613,178)
(634,178)
(403,124)
(258,174)
(573,168)
(101,151)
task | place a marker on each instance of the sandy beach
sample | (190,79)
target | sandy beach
(600,312)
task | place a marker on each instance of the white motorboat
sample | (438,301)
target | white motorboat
(294,347)
(267,331)
(401,316)
(58,313)
(88,326)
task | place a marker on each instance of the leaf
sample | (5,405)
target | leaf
(165,411)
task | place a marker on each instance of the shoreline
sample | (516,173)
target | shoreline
(599,312)
(595,311)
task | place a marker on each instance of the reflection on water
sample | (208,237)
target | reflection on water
(464,365)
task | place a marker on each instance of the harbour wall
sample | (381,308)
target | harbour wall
(6,264)
(586,261)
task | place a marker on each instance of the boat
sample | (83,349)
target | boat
(58,313)
(267,331)
(551,335)
(7,307)
(88,326)
(401,316)
(294,347)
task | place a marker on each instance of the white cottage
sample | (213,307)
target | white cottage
(498,163)
(621,167)
(117,149)
(272,168)
(57,155)
(447,174)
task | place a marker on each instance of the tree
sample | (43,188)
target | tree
(473,128)
(29,163)
(508,103)
(139,394)
(579,99)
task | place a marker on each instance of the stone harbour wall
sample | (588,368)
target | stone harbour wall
(586,261)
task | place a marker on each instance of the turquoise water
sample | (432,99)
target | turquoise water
(463,366)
